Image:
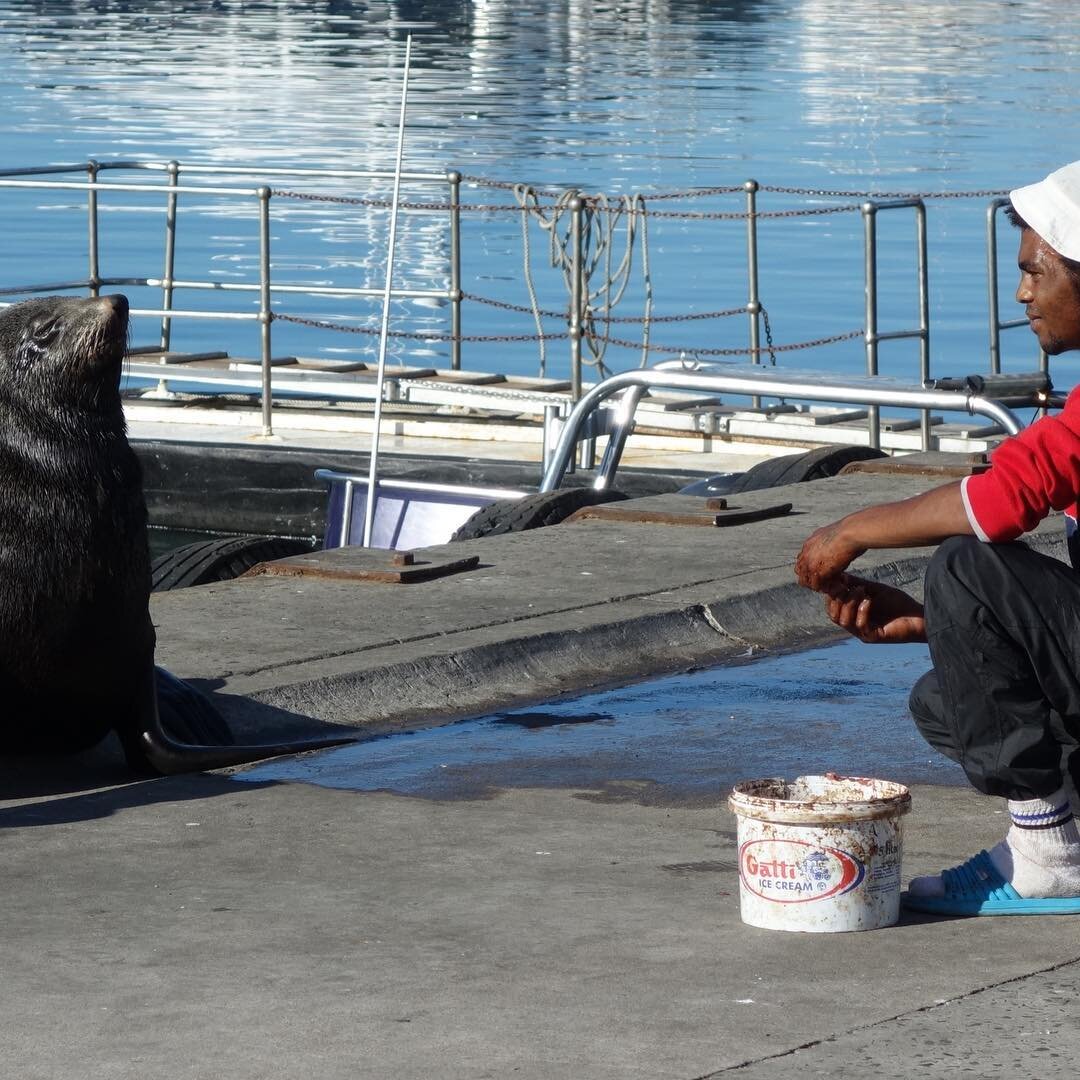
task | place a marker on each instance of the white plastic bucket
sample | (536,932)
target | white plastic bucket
(820,854)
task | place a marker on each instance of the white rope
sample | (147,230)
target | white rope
(601,223)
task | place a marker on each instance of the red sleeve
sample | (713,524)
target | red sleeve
(1031,474)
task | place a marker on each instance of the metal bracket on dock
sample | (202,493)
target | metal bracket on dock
(719,514)
(365,564)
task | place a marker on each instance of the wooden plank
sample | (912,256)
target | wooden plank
(520,382)
(372,373)
(469,378)
(340,366)
(244,364)
(182,357)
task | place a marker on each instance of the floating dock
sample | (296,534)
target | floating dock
(289,929)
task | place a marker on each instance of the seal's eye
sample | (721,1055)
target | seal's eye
(38,339)
(45,333)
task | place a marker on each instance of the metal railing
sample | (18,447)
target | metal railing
(417,513)
(172,190)
(874,337)
(714,379)
(261,195)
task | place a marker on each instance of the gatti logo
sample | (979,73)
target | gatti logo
(796,872)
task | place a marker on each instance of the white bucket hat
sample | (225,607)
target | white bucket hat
(1052,208)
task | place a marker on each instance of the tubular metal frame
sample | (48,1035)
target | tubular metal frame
(873,391)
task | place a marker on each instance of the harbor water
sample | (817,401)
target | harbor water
(614,98)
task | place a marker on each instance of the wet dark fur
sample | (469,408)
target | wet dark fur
(76,640)
(74,565)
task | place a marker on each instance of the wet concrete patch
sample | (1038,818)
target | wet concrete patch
(531,721)
(683,739)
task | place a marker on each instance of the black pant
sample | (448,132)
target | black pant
(1003,698)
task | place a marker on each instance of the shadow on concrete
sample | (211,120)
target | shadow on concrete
(256,722)
(61,793)
(98,782)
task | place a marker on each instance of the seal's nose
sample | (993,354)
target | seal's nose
(118,301)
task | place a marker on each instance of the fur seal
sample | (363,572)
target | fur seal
(76,638)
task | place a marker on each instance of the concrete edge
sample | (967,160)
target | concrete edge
(538,666)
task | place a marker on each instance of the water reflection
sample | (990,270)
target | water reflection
(619,95)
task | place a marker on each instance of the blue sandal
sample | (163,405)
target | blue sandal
(976,888)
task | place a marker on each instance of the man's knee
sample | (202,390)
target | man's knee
(958,558)
(928,712)
(924,701)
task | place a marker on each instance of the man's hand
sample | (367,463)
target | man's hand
(824,557)
(875,613)
(916,522)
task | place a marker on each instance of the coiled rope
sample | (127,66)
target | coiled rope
(600,223)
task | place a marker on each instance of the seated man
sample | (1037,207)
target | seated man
(1002,621)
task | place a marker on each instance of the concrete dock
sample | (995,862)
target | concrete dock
(199,926)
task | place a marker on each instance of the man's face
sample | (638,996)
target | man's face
(1050,295)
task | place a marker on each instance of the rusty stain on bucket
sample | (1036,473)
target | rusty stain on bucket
(820,854)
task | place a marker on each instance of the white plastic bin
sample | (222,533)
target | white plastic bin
(820,854)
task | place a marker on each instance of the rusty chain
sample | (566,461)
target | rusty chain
(735,189)
(825,193)
(599,205)
(595,205)
(768,336)
(695,351)
(412,335)
(526,310)
(322,324)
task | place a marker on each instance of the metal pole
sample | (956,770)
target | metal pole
(550,435)
(577,289)
(924,315)
(92,215)
(346,513)
(753,300)
(869,212)
(170,254)
(992,285)
(373,491)
(265,314)
(454,179)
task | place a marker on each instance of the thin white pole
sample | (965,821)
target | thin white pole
(372,491)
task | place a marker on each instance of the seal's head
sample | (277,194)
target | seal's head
(64,349)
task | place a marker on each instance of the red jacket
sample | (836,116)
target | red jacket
(1031,474)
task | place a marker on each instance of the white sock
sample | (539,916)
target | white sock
(1040,855)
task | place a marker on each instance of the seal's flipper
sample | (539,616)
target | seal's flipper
(149,748)
(187,714)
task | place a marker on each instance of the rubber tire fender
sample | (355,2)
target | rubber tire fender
(220,559)
(798,468)
(531,512)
